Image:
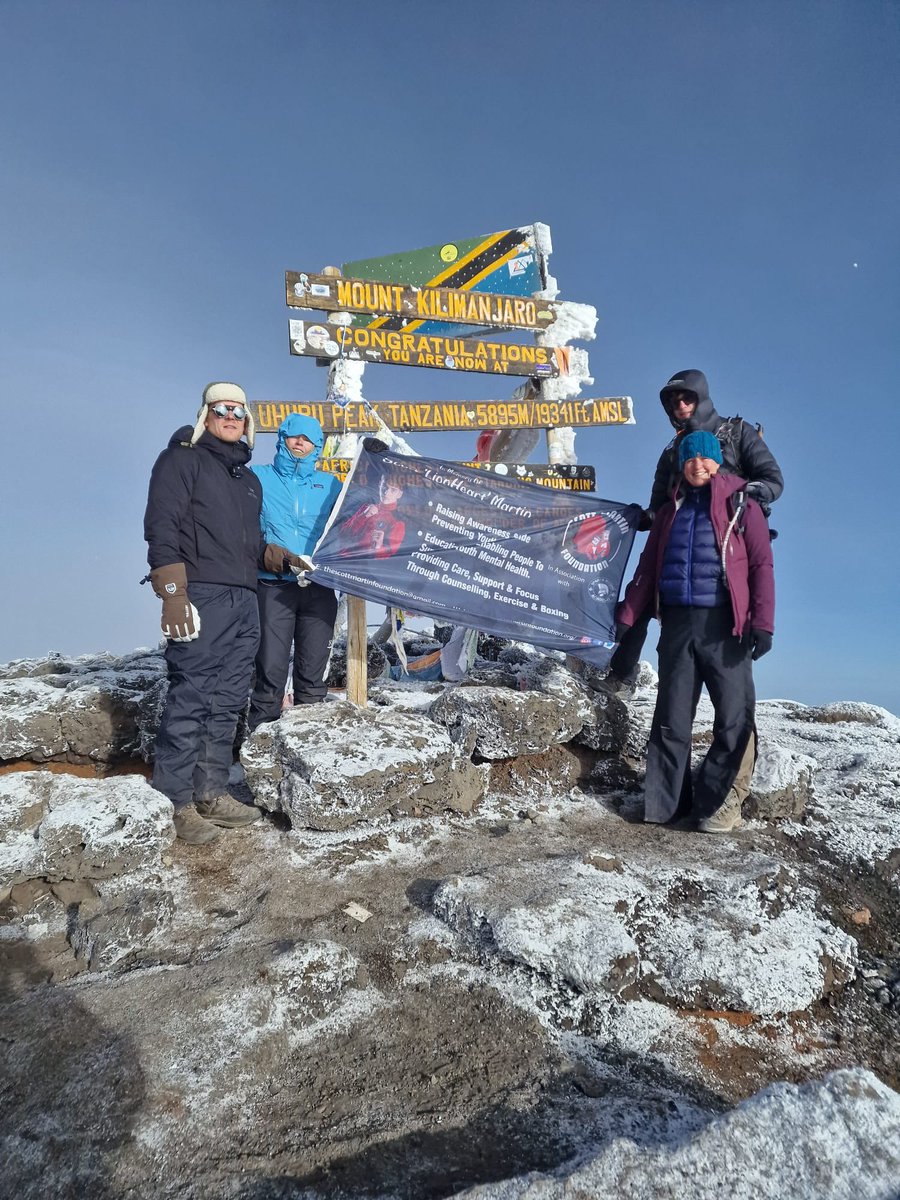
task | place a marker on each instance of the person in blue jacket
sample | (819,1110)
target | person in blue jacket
(297,502)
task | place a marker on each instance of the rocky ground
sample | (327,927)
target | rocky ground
(451,960)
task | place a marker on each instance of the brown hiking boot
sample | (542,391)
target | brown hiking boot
(726,817)
(224,810)
(191,827)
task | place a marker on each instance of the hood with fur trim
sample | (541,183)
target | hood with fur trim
(216,393)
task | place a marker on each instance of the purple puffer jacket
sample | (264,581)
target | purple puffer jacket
(748,560)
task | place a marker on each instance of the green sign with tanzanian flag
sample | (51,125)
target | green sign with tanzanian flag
(510,263)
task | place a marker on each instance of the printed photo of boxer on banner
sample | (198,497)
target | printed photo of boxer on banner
(513,559)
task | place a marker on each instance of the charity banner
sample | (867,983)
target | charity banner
(514,559)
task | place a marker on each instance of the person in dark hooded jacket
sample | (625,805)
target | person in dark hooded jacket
(686,401)
(297,502)
(203,546)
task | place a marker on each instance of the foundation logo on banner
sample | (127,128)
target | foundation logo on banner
(592,540)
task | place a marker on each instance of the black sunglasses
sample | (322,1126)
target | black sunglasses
(230,410)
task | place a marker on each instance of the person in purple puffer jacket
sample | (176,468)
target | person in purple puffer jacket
(707,572)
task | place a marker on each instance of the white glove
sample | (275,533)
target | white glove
(186,630)
(307,564)
(180,621)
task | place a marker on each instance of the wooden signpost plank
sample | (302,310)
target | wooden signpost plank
(510,261)
(574,477)
(433,415)
(415,304)
(327,341)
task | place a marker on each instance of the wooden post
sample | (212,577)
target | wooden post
(357,652)
(357,638)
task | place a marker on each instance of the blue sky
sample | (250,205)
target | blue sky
(722,181)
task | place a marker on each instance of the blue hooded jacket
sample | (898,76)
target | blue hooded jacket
(297,499)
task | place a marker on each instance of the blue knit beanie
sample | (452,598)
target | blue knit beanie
(699,443)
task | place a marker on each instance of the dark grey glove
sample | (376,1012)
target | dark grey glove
(760,643)
(278,560)
(646,520)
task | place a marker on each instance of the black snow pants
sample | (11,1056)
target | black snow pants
(697,647)
(209,680)
(289,614)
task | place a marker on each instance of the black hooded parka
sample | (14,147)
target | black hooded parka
(744,452)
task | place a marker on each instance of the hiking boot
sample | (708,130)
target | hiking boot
(612,685)
(190,827)
(726,817)
(224,810)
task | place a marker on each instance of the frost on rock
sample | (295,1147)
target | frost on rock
(782,784)
(231,1039)
(745,938)
(501,723)
(328,766)
(854,811)
(82,828)
(124,916)
(95,708)
(832,1140)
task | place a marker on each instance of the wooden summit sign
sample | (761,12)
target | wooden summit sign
(405,417)
(574,477)
(418,304)
(427,350)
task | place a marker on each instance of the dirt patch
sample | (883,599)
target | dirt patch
(81,770)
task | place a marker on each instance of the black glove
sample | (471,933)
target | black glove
(754,491)
(646,520)
(278,560)
(760,643)
(621,630)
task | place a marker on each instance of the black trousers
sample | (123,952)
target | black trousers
(209,679)
(290,614)
(697,647)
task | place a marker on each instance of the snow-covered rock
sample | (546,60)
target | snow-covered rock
(782,784)
(97,707)
(501,723)
(328,766)
(57,827)
(832,1140)
(739,935)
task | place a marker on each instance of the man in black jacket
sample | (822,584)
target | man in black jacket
(204,547)
(685,399)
